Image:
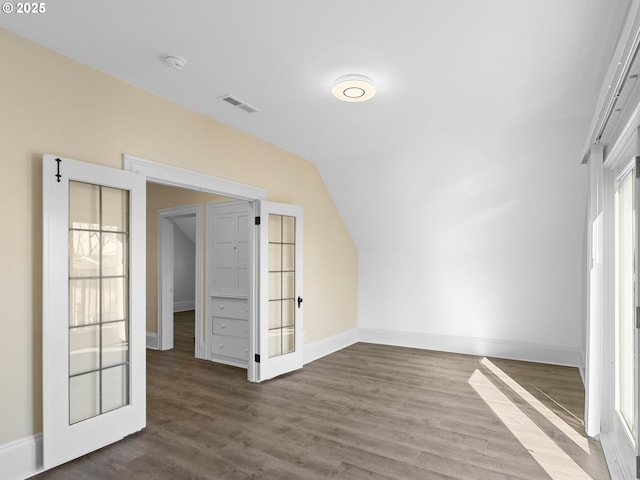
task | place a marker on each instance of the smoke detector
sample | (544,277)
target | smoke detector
(175,61)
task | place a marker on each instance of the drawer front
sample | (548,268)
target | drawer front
(231,308)
(231,347)
(231,326)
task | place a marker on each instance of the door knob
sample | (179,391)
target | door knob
(299,300)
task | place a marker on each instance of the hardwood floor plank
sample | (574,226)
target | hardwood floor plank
(364,412)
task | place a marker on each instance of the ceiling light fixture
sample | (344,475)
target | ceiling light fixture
(175,61)
(354,88)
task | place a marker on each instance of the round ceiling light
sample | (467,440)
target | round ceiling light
(354,88)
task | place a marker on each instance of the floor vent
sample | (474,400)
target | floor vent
(236,102)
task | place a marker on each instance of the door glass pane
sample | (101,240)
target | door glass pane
(84,206)
(98,300)
(115,344)
(84,301)
(83,349)
(281,285)
(84,253)
(275,314)
(114,254)
(275,229)
(114,299)
(115,209)
(84,397)
(115,388)
(287,340)
(288,285)
(288,313)
(625,300)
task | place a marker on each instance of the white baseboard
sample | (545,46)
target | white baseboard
(184,305)
(152,340)
(475,346)
(321,348)
(21,459)
(612,456)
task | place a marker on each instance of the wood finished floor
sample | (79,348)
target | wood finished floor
(365,412)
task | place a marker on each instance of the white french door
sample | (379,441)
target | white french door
(93,307)
(280,289)
(625,355)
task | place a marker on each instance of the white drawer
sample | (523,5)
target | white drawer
(231,326)
(230,347)
(230,308)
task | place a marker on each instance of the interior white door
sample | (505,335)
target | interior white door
(280,291)
(93,307)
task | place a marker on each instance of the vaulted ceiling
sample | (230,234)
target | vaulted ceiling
(455,79)
(470,150)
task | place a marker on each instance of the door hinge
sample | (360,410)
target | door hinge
(637,317)
(257,357)
(638,166)
(257,221)
(637,467)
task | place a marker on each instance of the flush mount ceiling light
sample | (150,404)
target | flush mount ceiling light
(354,88)
(175,61)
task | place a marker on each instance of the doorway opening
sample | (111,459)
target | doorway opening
(164,175)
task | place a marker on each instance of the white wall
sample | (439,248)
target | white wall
(490,262)
(184,269)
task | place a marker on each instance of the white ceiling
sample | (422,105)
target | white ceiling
(451,74)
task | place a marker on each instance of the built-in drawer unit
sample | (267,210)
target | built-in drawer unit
(230,308)
(229,330)
(230,327)
(231,347)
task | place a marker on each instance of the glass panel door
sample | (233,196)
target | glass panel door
(98,300)
(625,286)
(282,274)
(93,307)
(280,289)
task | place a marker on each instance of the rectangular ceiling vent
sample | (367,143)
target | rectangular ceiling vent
(236,102)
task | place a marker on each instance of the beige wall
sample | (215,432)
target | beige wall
(49,103)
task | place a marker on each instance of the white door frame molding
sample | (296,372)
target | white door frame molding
(165,276)
(179,177)
(618,450)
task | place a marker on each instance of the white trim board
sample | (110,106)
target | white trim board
(180,177)
(527,352)
(22,458)
(152,340)
(612,456)
(326,346)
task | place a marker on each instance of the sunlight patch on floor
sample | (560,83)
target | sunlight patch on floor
(554,461)
(542,409)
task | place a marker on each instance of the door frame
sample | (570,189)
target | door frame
(165,276)
(182,178)
(621,456)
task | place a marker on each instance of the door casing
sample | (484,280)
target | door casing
(182,178)
(165,277)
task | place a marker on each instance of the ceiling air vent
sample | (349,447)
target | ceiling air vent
(236,102)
